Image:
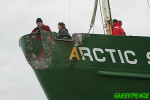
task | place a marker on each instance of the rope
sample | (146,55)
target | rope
(94,15)
(94,28)
(89,30)
(102,16)
(148,4)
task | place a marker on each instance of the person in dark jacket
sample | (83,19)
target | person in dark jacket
(41,27)
(63,32)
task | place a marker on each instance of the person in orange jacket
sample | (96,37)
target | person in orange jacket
(117,29)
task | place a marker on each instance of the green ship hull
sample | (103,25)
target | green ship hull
(91,67)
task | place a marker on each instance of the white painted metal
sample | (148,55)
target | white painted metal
(107,16)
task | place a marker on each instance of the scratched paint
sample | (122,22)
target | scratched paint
(40,50)
(78,38)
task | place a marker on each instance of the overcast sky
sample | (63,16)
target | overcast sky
(17,18)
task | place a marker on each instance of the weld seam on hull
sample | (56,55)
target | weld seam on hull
(124,75)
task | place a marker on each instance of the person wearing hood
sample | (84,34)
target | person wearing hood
(117,29)
(63,32)
(41,27)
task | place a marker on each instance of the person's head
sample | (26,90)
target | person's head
(39,22)
(115,21)
(120,21)
(61,25)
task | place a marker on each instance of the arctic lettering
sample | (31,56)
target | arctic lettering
(103,55)
(148,57)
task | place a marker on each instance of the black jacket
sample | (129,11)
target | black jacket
(62,33)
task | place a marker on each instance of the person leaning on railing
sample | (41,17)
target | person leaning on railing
(63,32)
(41,27)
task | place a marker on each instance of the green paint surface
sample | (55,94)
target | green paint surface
(65,79)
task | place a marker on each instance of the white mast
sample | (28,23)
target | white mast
(106,16)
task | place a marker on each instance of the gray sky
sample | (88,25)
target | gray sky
(17,79)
